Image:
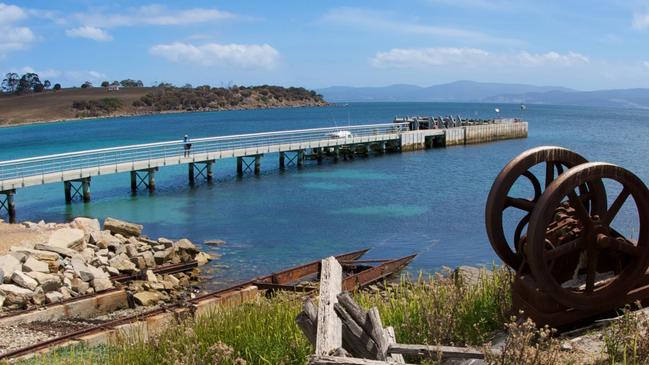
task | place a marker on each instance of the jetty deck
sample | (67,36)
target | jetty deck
(75,169)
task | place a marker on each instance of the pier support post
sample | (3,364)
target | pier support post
(282,160)
(190,173)
(208,171)
(239,166)
(85,185)
(144,178)
(300,158)
(319,155)
(77,188)
(8,204)
(257,164)
(336,153)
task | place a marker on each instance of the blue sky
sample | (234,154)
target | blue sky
(579,44)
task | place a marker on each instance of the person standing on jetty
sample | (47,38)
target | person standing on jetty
(187,146)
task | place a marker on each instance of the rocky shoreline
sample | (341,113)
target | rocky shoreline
(80,258)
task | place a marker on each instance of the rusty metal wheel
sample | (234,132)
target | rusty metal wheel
(557,160)
(606,264)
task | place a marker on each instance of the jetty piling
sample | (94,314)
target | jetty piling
(142,161)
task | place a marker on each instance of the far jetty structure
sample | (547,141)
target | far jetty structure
(75,169)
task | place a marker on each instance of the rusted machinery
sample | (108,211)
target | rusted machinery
(579,245)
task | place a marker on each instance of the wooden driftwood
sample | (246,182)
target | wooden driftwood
(447,352)
(335,360)
(392,339)
(329,326)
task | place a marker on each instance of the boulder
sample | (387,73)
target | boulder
(31,264)
(214,242)
(202,258)
(150,277)
(186,245)
(54,297)
(51,258)
(81,269)
(63,251)
(20,278)
(112,271)
(8,265)
(15,294)
(87,225)
(139,262)
(149,260)
(67,293)
(2,298)
(163,256)
(126,229)
(39,296)
(102,284)
(122,263)
(80,286)
(72,238)
(97,273)
(165,242)
(131,250)
(88,254)
(173,280)
(49,282)
(469,275)
(146,298)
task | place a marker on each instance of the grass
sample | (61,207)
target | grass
(432,310)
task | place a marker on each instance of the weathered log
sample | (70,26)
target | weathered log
(333,360)
(329,327)
(392,339)
(307,326)
(354,310)
(377,333)
(310,309)
(356,340)
(447,352)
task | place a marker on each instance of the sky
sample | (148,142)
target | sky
(586,45)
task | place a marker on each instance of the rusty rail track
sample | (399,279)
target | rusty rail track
(280,280)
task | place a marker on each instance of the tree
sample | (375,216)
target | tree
(115,83)
(57,86)
(10,82)
(29,82)
(86,85)
(47,84)
(105,84)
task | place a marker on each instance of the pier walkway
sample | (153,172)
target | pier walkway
(75,169)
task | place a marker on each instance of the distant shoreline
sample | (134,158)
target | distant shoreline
(126,115)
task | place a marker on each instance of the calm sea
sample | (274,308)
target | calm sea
(428,202)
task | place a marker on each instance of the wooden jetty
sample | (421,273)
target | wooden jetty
(76,169)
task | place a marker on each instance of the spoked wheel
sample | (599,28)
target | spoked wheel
(556,160)
(604,262)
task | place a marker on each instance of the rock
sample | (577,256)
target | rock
(68,252)
(150,277)
(34,265)
(54,297)
(469,275)
(159,247)
(126,229)
(8,265)
(214,242)
(139,262)
(149,260)
(202,258)
(72,238)
(131,250)
(122,263)
(80,286)
(87,225)
(81,269)
(173,280)
(49,282)
(102,284)
(187,246)
(39,296)
(96,238)
(146,298)
(108,239)
(88,254)
(163,256)
(2,297)
(67,293)
(23,280)
(20,256)
(15,294)
(165,242)
(38,254)
(112,271)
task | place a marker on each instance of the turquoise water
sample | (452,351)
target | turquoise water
(426,202)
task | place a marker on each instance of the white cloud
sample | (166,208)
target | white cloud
(552,58)
(13,37)
(379,21)
(472,57)
(89,32)
(646,64)
(640,20)
(423,57)
(153,15)
(249,56)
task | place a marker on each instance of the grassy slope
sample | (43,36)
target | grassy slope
(57,105)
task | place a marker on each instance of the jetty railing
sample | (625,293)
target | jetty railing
(42,165)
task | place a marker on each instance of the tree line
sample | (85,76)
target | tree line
(29,82)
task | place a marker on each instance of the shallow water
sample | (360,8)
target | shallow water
(426,202)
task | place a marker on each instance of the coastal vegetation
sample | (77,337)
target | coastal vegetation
(27,99)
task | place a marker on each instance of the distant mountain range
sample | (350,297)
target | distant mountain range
(471,91)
